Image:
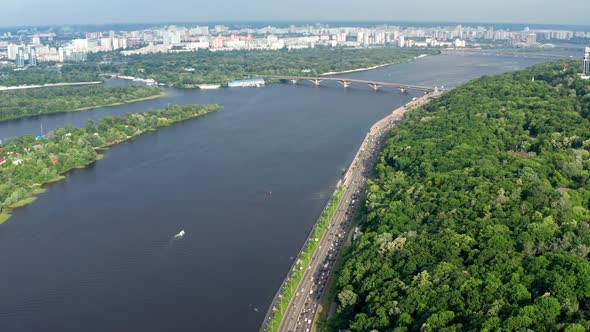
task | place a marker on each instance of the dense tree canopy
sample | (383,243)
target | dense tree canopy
(46,73)
(477,216)
(22,103)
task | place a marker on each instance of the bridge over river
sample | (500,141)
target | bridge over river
(346,82)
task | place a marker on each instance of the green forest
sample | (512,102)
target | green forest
(189,68)
(28,162)
(476,217)
(46,73)
(23,103)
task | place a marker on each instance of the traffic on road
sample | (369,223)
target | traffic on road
(300,313)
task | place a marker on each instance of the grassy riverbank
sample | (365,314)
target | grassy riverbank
(25,103)
(303,260)
(6,213)
(29,163)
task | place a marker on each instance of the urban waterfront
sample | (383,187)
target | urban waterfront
(96,251)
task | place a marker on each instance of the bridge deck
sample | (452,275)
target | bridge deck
(351,80)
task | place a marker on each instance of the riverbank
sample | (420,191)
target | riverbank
(438,208)
(289,286)
(296,302)
(162,94)
(76,149)
(371,68)
(327,306)
(48,85)
(358,69)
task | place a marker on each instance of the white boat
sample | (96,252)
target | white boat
(209,86)
(180,234)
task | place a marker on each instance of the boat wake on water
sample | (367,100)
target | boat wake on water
(264,193)
(173,239)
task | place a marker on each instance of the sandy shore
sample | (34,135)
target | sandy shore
(357,70)
(370,68)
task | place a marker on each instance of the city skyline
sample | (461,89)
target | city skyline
(69,12)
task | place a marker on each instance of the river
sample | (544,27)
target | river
(96,251)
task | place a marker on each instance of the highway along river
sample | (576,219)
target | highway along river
(96,252)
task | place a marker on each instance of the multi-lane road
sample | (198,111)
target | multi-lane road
(300,312)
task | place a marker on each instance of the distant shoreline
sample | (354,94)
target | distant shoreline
(160,95)
(48,85)
(223,85)
(370,68)
(358,69)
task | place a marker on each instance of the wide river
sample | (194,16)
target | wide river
(96,251)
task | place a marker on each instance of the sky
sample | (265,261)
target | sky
(65,12)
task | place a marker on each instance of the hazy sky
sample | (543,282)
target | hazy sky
(40,12)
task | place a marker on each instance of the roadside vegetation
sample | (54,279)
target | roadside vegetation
(28,162)
(476,218)
(289,288)
(30,102)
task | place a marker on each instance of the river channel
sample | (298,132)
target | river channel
(96,252)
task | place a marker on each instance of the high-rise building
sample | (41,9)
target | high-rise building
(75,56)
(115,43)
(401,41)
(12,51)
(587,61)
(80,44)
(171,37)
(531,39)
(122,43)
(20,58)
(106,44)
(60,54)
(32,56)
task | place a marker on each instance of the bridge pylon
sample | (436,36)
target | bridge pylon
(316,81)
(375,86)
(345,83)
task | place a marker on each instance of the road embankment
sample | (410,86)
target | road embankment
(296,303)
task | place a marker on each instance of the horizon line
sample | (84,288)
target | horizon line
(285,21)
